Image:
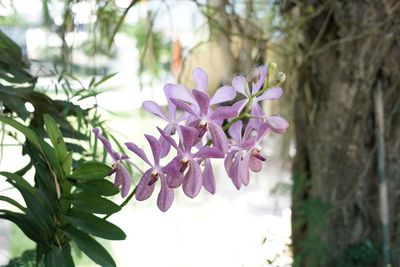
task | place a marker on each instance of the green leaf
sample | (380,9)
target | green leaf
(93,203)
(44,148)
(90,247)
(56,138)
(67,164)
(100,187)
(59,257)
(12,202)
(29,133)
(24,223)
(91,171)
(95,226)
(36,208)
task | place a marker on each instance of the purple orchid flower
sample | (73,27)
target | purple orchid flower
(275,123)
(244,154)
(223,94)
(172,119)
(147,183)
(207,120)
(185,169)
(240,85)
(122,176)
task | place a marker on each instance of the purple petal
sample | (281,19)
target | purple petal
(218,137)
(208,177)
(256,109)
(118,176)
(233,172)
(209,152)
(193,180)
(255,164)
(223,113)
(229,161)
(154,108)
(243,169)
(262,130)
(240,105)
(174,176)
(166,195)
(165,145)
(126,180)
(168,139)
(262,75)
(138,151)
(155,148)
(143,189)
(277,124)
(189,137)
(200,78)
(223,94)
(107,145)
(235,131)
(203,100)
(273,93)
(239,83)
(179,92)
(183,106)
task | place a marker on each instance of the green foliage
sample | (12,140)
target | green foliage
(56,212)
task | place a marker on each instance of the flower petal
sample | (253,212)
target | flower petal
(126,180)
(155,148)
(166,195)
(165,145)
(168,138)
(174,176)
(193,180)
(179,92)
(273,93)
(240,105)
(183,106)
(143,189)
(277,124)
(209,152)
(235,131)
(223,94)
(208,177)
(233,172)
(263,70)
(107,145)
(239,83)
(223,113)
(203,100)
(218,137)
(243,169)
(154,108)
(189,137)
(255,164)
(138,151)
(200,78)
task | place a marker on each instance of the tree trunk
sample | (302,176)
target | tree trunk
(350,50)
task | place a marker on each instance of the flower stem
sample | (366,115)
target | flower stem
(123,203)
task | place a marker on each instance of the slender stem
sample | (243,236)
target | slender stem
(123,204)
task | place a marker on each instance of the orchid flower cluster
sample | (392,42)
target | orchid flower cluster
(200,128)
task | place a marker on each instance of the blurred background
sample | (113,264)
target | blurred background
(329,192)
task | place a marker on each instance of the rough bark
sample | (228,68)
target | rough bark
(349,49)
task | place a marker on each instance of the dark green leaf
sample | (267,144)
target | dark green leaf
(29,133)
(56,138)
(93,203)
(95,226)
(100,187)
(91,171)
(90,247)
(12,202)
